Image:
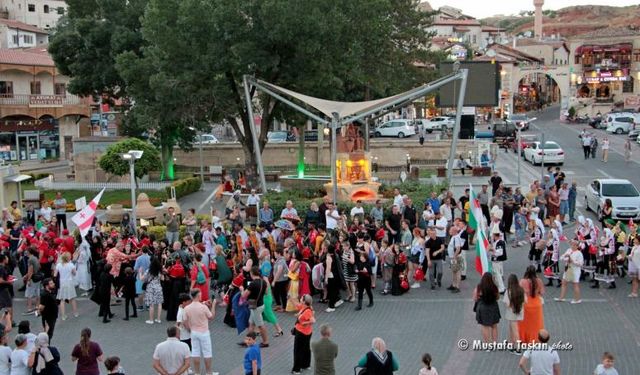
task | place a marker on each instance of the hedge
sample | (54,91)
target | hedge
(302,199)
(185,186)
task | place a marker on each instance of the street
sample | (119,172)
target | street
(420,321)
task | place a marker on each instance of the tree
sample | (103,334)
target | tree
(112,162)
(191,72)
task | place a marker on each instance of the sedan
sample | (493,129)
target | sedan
(437,123)
(522,121)
(624,197)
(551,154)
(207,139)
(396,128)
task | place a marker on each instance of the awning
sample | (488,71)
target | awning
(17,178)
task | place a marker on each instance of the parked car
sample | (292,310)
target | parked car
(436,123)
(551,154)
(279,137)
(625,198)
(525,141)
(521,120)
(396,128)
(207,139)
(633,134)
(621,122)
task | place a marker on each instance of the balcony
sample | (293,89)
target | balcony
(37,106)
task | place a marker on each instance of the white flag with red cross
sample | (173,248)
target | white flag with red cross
(84,218)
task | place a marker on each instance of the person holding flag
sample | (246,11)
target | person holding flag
(84,218)
(477,223)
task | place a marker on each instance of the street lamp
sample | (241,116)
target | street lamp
(131,157)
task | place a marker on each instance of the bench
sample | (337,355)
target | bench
(214,171)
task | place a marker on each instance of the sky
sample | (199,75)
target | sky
(487,8)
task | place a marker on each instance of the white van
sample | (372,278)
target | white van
(621,122)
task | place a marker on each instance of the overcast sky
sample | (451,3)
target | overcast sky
(486,8)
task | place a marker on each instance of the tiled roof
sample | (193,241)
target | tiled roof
(13,24)
(609,32)
(492,29)
(26,57)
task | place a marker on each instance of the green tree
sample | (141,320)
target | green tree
(112,162)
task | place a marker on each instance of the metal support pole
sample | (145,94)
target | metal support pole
(201,165)
(367,125)
(256,144)
(542,160)
(456,128)
(334,173)
(519,140)
(132,171)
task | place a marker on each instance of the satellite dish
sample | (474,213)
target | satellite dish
(491,53)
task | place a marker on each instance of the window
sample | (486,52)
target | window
(31,7)
(27,39)
(60,10)
(60,89)
(46,9)
(16,39)
(6,89)
(35,88)
(627,86)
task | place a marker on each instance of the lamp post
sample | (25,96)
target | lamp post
(131,157)
(201,158)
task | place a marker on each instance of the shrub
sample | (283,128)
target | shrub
(185,187)
(160,231)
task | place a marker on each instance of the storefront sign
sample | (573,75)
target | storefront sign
(25,126)
(45,101)
(606,76)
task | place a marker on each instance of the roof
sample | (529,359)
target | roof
(555,44)
(512,52)
(609,32)
(457,22)
(492,29)
(13,24)
(25,57)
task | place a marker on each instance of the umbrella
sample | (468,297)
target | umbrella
(285,224)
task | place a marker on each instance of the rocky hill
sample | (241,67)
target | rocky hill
(571,21)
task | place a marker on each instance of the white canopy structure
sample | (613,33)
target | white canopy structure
(338,113)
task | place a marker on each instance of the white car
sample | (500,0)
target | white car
(552,153)
(622,122)
(207,139)
(396,128)
(625,198)
(436,123)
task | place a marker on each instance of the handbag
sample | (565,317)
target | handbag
(253,303)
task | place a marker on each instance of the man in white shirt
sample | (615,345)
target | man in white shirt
(544,361)
(454,251)
(253,199)
(357,210)
(184,299)
(332,217)
(398,199)
(20,357)
(171,356)
(440,225)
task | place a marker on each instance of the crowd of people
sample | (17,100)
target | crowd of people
(254,268)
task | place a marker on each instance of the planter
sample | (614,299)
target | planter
(442,172)
(478,171)
(486,171)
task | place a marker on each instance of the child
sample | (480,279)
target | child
(606,367)
(252,359)
(388,261)
(113,366)
(185,335)
(129,293)
(427,369)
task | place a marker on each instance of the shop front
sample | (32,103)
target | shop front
(29,140)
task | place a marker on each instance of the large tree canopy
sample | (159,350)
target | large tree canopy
(187,70)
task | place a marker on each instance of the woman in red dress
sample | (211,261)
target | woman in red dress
(203,285)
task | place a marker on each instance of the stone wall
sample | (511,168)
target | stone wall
(87,151)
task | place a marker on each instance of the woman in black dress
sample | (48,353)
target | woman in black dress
(486,307)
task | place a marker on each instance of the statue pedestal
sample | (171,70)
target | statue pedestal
(366,191)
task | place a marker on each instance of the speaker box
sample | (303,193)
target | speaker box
(467,126)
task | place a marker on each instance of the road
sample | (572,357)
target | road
(420,321)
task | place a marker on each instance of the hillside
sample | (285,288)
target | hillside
(571,21)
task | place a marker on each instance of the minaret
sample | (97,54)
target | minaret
(538,18)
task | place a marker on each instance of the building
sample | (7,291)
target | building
(43,14)
(605,69)
(550,51)
(16,34)
(467,31)
(38,117)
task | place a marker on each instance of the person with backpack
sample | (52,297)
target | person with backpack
(200,277)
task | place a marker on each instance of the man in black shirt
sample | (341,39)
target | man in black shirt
(409,214)
(255,296)
(495,182)
(48,307)
(434,260)
(392,225)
